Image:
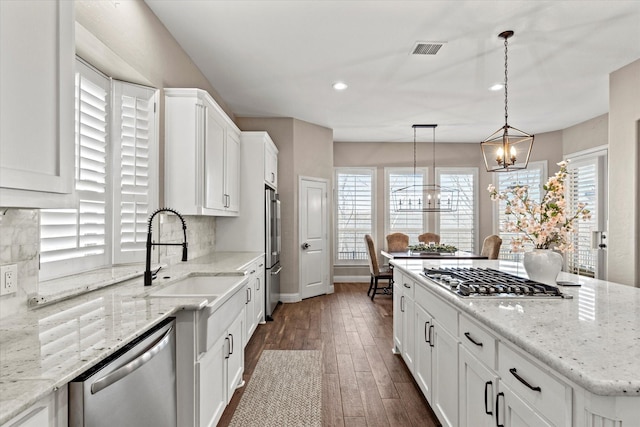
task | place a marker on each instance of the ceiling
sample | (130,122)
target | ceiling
(280,59)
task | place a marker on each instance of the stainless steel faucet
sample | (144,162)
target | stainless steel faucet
(148,275)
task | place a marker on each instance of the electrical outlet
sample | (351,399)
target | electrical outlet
(8,279)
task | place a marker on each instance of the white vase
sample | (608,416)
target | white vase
(543,265)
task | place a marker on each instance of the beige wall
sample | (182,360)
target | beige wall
(547,146)
(586,135)
(623,256)
(305,149)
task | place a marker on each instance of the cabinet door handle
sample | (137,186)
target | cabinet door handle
(431,343)
(228,346)
(402,303)
(498,409)
(258,285)
(273,177)
(486,395)
(231,345)
(468,335)
(514,372)
(426,327)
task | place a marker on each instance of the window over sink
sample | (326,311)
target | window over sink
(116,178)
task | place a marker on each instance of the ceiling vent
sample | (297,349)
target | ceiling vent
(426,48)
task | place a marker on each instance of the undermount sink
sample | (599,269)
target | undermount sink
(199,286)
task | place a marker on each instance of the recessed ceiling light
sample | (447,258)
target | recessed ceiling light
(340,86)
(496,86)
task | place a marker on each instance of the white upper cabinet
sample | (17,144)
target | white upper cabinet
(271,165)
(202,155)
(37,56)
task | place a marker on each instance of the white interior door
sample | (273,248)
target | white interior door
(314,274)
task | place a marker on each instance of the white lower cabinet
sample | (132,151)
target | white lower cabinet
(445,375)
(512,411)
(219,373)
(210,359)
(404,322)
(423,363)
(254,297)
(50,411)
(476,392)
(211,373)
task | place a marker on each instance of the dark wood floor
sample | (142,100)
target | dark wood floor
(364,384)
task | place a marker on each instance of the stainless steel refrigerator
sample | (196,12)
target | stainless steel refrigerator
(273,244)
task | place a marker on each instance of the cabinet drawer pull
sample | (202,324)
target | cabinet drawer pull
(406,286)
(252,271)
(498,409)
(486,395)
(426,327)
(514,372)
(431,343)
(468,335)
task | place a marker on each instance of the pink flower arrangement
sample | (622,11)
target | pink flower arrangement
(546,225)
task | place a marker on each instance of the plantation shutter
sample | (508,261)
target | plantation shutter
(583,188)
(354,213)
(410,223)
(458,228)
(74,239)
(531,177)
(134,133)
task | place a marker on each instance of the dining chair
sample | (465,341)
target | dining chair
(429,237)
(397,242)
(376,272)
(491,246)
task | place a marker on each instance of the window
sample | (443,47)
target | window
(532,177)
(458,228)
(410,223)
(354,213)
(115,179)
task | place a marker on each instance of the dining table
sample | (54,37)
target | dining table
(408,254)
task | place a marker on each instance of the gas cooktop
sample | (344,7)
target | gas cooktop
(487,282)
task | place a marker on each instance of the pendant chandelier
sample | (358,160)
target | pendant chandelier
(508,148)
(423,197)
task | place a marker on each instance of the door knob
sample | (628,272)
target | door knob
(305,245)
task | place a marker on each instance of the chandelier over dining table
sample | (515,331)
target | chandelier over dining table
(425,197)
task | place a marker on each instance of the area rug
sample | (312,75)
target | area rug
(284,390)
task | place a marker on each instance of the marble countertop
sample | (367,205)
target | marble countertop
(44,348)
(592,339)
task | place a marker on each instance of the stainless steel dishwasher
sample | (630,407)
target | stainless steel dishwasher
(135,386)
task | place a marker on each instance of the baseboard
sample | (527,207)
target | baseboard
(289,298)
(351,279)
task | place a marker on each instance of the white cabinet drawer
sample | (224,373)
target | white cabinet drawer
(447,315)
(536,386)
(478,341)
(408,287)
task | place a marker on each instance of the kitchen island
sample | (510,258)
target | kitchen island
(588,345)
(42,349)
